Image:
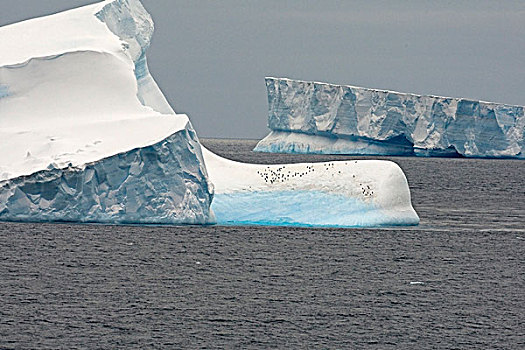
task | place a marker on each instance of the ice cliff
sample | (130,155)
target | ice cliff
(86,135)
(161,183)
(311,117)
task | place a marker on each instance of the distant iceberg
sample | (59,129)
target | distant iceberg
(86,135)
(311,117)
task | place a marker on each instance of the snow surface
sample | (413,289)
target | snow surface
(87,136)
(312,117)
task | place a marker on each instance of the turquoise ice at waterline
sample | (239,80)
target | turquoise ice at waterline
(299,208)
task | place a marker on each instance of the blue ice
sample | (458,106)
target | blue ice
(4,91)
(294,208)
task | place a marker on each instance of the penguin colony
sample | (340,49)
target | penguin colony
(272,175)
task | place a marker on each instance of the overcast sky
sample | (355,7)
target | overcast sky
(210,57)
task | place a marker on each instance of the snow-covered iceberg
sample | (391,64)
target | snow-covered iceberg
(339,194)
(311,117)
(86,135)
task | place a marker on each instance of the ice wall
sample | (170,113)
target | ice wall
(311,117)
(164,183)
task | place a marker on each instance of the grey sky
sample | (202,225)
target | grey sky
(210,57)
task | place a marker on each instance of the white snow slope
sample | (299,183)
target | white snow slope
(86,135)
(312,117)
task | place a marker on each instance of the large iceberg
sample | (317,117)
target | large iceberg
(312,117)
(87,136)
(85,133)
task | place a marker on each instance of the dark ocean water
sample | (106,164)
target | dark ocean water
(457,281)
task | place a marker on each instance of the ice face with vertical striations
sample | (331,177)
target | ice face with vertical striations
(87,136)
(311,117)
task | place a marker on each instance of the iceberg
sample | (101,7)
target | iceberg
(313,117)
(87,136)
(85,132)
(360,193)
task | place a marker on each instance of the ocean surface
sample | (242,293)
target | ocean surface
(456,281)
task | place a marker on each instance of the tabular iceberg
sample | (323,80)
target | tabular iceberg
(311,117)
(87,136)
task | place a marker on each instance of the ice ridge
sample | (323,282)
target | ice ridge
(133,25)
(312,117)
